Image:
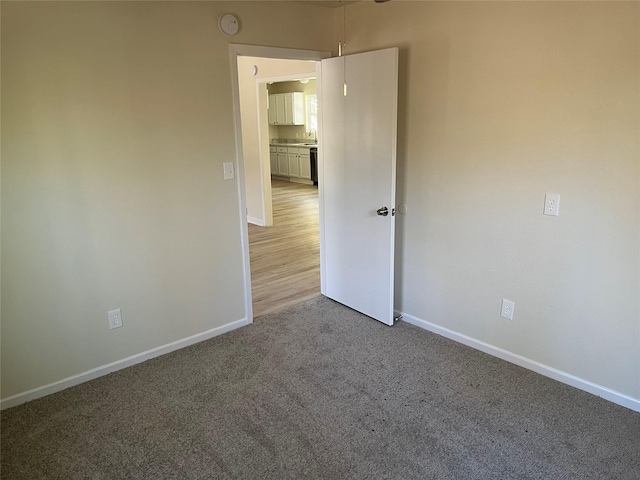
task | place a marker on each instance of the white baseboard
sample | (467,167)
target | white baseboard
(563,377)
(301,180)
(94,373)
(279,177)
(256,221)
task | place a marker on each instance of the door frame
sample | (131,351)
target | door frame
(267,210)
(236,50)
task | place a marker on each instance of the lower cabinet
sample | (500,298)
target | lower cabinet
(273,159)
(283,164)
(292,162)
(294,165)
(305,166)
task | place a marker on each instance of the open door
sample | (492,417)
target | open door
(358,96)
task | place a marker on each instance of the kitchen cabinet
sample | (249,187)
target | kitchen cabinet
(282,158)
(305,164)
(276,110)
(273,159)
(271,110)
(299,162)
(283,165)
(292,162)
(286,108)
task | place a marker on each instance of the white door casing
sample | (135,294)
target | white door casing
(236,50)
(358,169)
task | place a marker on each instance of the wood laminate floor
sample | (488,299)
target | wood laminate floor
(285,258)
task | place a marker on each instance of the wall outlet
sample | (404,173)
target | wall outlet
(552,204)
(507,309)
(115,318)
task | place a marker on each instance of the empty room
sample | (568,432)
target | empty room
(478,190)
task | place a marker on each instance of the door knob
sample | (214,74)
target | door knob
(383,212)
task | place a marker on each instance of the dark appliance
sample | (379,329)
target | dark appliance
(313,152)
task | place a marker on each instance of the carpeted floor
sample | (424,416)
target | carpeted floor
(320,391)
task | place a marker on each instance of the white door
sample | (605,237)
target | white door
(358,180)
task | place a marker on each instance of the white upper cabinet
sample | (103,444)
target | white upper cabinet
(273,119)
(280,110)
(286,108)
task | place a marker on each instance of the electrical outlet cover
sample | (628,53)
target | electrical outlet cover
(115,318)
(507,309)
(552,204)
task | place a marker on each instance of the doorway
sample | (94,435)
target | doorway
(357,194)
(284,251)
(296,203)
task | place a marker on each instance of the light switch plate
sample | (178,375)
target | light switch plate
(552,204)
(228,170)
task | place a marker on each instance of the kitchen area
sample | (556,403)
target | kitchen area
(293,125)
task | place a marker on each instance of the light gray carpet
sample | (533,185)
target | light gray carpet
(320,391)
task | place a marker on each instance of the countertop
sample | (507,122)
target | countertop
(279,144)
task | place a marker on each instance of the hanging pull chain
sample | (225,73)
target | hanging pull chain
(342,45)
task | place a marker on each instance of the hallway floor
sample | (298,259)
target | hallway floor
(285,258)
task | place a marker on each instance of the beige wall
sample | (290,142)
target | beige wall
(501,103)
(258,181)
(116,119)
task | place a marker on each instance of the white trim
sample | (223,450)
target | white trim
(563,377)
(265,178)
(236,50)
(94,373)
(304,181)
(320,173)
(240,179)
(263,193)
(256,221)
